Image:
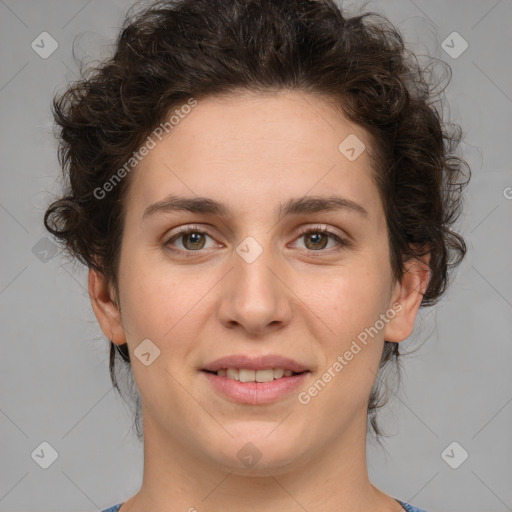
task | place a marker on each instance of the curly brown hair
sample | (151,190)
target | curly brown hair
(177,49)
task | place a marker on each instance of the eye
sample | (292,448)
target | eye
(317,238)
(192,239)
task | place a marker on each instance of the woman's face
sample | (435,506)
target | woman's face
(256,279)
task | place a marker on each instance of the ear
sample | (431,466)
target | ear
(105,305)
(406,298)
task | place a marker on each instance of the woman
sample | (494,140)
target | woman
(263,194)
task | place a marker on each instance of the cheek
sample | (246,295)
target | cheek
(350,334)
(159,298)
(348,298)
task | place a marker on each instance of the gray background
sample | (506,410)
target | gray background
(54,380)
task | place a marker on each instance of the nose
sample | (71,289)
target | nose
(255,297)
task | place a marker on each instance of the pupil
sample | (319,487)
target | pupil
(195,237)
(317,236)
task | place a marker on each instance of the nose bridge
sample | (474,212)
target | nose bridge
(255,297)
(252,264)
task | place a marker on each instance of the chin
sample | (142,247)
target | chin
(257,450)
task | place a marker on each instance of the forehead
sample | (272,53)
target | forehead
(247,147)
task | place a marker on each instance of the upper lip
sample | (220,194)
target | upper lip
(255,363)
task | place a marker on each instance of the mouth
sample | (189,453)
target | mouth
(255,381)
(241,364)
(248,375)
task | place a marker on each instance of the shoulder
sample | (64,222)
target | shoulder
(406,506)
(115,508)
(410,508)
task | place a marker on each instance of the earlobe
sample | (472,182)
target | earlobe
(105,306)
(409,294)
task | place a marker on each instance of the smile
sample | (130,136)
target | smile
(247,375)
(243,388)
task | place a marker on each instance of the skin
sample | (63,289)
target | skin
(301,298)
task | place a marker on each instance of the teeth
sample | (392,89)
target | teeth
(264,375)
(278,373)
(245,375)
(232,373)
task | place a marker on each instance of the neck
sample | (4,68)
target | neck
(335,478)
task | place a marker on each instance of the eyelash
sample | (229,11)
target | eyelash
(308,230)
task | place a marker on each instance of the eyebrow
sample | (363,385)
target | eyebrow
(294,206)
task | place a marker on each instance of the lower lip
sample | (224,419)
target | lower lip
(255,393)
